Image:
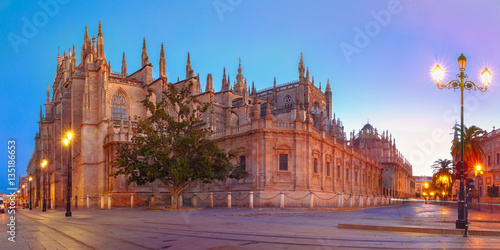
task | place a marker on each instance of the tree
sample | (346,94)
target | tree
(473,147)
(443,173)
(172,145)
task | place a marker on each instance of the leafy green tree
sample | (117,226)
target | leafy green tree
(473,145)
(173,146)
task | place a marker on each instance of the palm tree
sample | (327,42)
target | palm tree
(473,147)
(443,173)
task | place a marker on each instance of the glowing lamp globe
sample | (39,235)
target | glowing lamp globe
(461,62)
(438,73)
(486,75)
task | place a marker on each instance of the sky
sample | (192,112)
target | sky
(378,56)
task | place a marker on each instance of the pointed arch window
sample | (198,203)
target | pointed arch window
(119,106)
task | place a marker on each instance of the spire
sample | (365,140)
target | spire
(209,86)
(41,113)
(307,74)
(144,56)
(228,83)
(224,86)
(163,64)
(99,32)
(328,89)
(254,91)
(100,43)
(301,68)
(124,65)
(313,81)
(48,93)
(274,82)
(86,39)
(189,70)
(319,86)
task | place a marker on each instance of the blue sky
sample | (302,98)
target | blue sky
(386,79)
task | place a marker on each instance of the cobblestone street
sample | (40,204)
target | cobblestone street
(221,228)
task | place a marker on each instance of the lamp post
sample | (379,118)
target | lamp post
(426,186)
(31,178)
(44,206)
(461,82)
(478,172)
(24,195)
(67,141)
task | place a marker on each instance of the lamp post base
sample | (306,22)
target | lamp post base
(460,224)
(68,209)
(44,206)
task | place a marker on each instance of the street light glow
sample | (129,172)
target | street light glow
(23,185)
(44,163)
(438,73)
(31,178)
(478,168)
(69,135)
(486,75)
(66,141)
(426,185)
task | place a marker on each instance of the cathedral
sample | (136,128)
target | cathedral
(286,135)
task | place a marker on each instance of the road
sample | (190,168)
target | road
(237,228)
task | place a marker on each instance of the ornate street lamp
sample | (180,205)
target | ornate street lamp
(44,207)
(461,82)
(67,141)
(31,178)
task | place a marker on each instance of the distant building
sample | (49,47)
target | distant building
(491,164)
(284,134)
(419,184)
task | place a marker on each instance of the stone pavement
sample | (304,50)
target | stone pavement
(241,228)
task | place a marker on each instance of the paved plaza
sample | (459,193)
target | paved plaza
(241,228)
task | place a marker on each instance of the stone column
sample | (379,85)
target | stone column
(282,200)
(311,200)
(340,203)
(211,200)
(109,201)
(251,200)
(102,201)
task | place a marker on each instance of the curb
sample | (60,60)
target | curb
(420,230)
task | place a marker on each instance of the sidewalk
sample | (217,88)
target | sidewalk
(431,219)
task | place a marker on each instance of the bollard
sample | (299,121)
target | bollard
(351,200)
(102,201)
(311,200)
(131,200)
(180,200)
(282,200)
(109,201)
(211,200)
(194,200)
(251,200)
(88,202)
(340,203)
(229,200)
